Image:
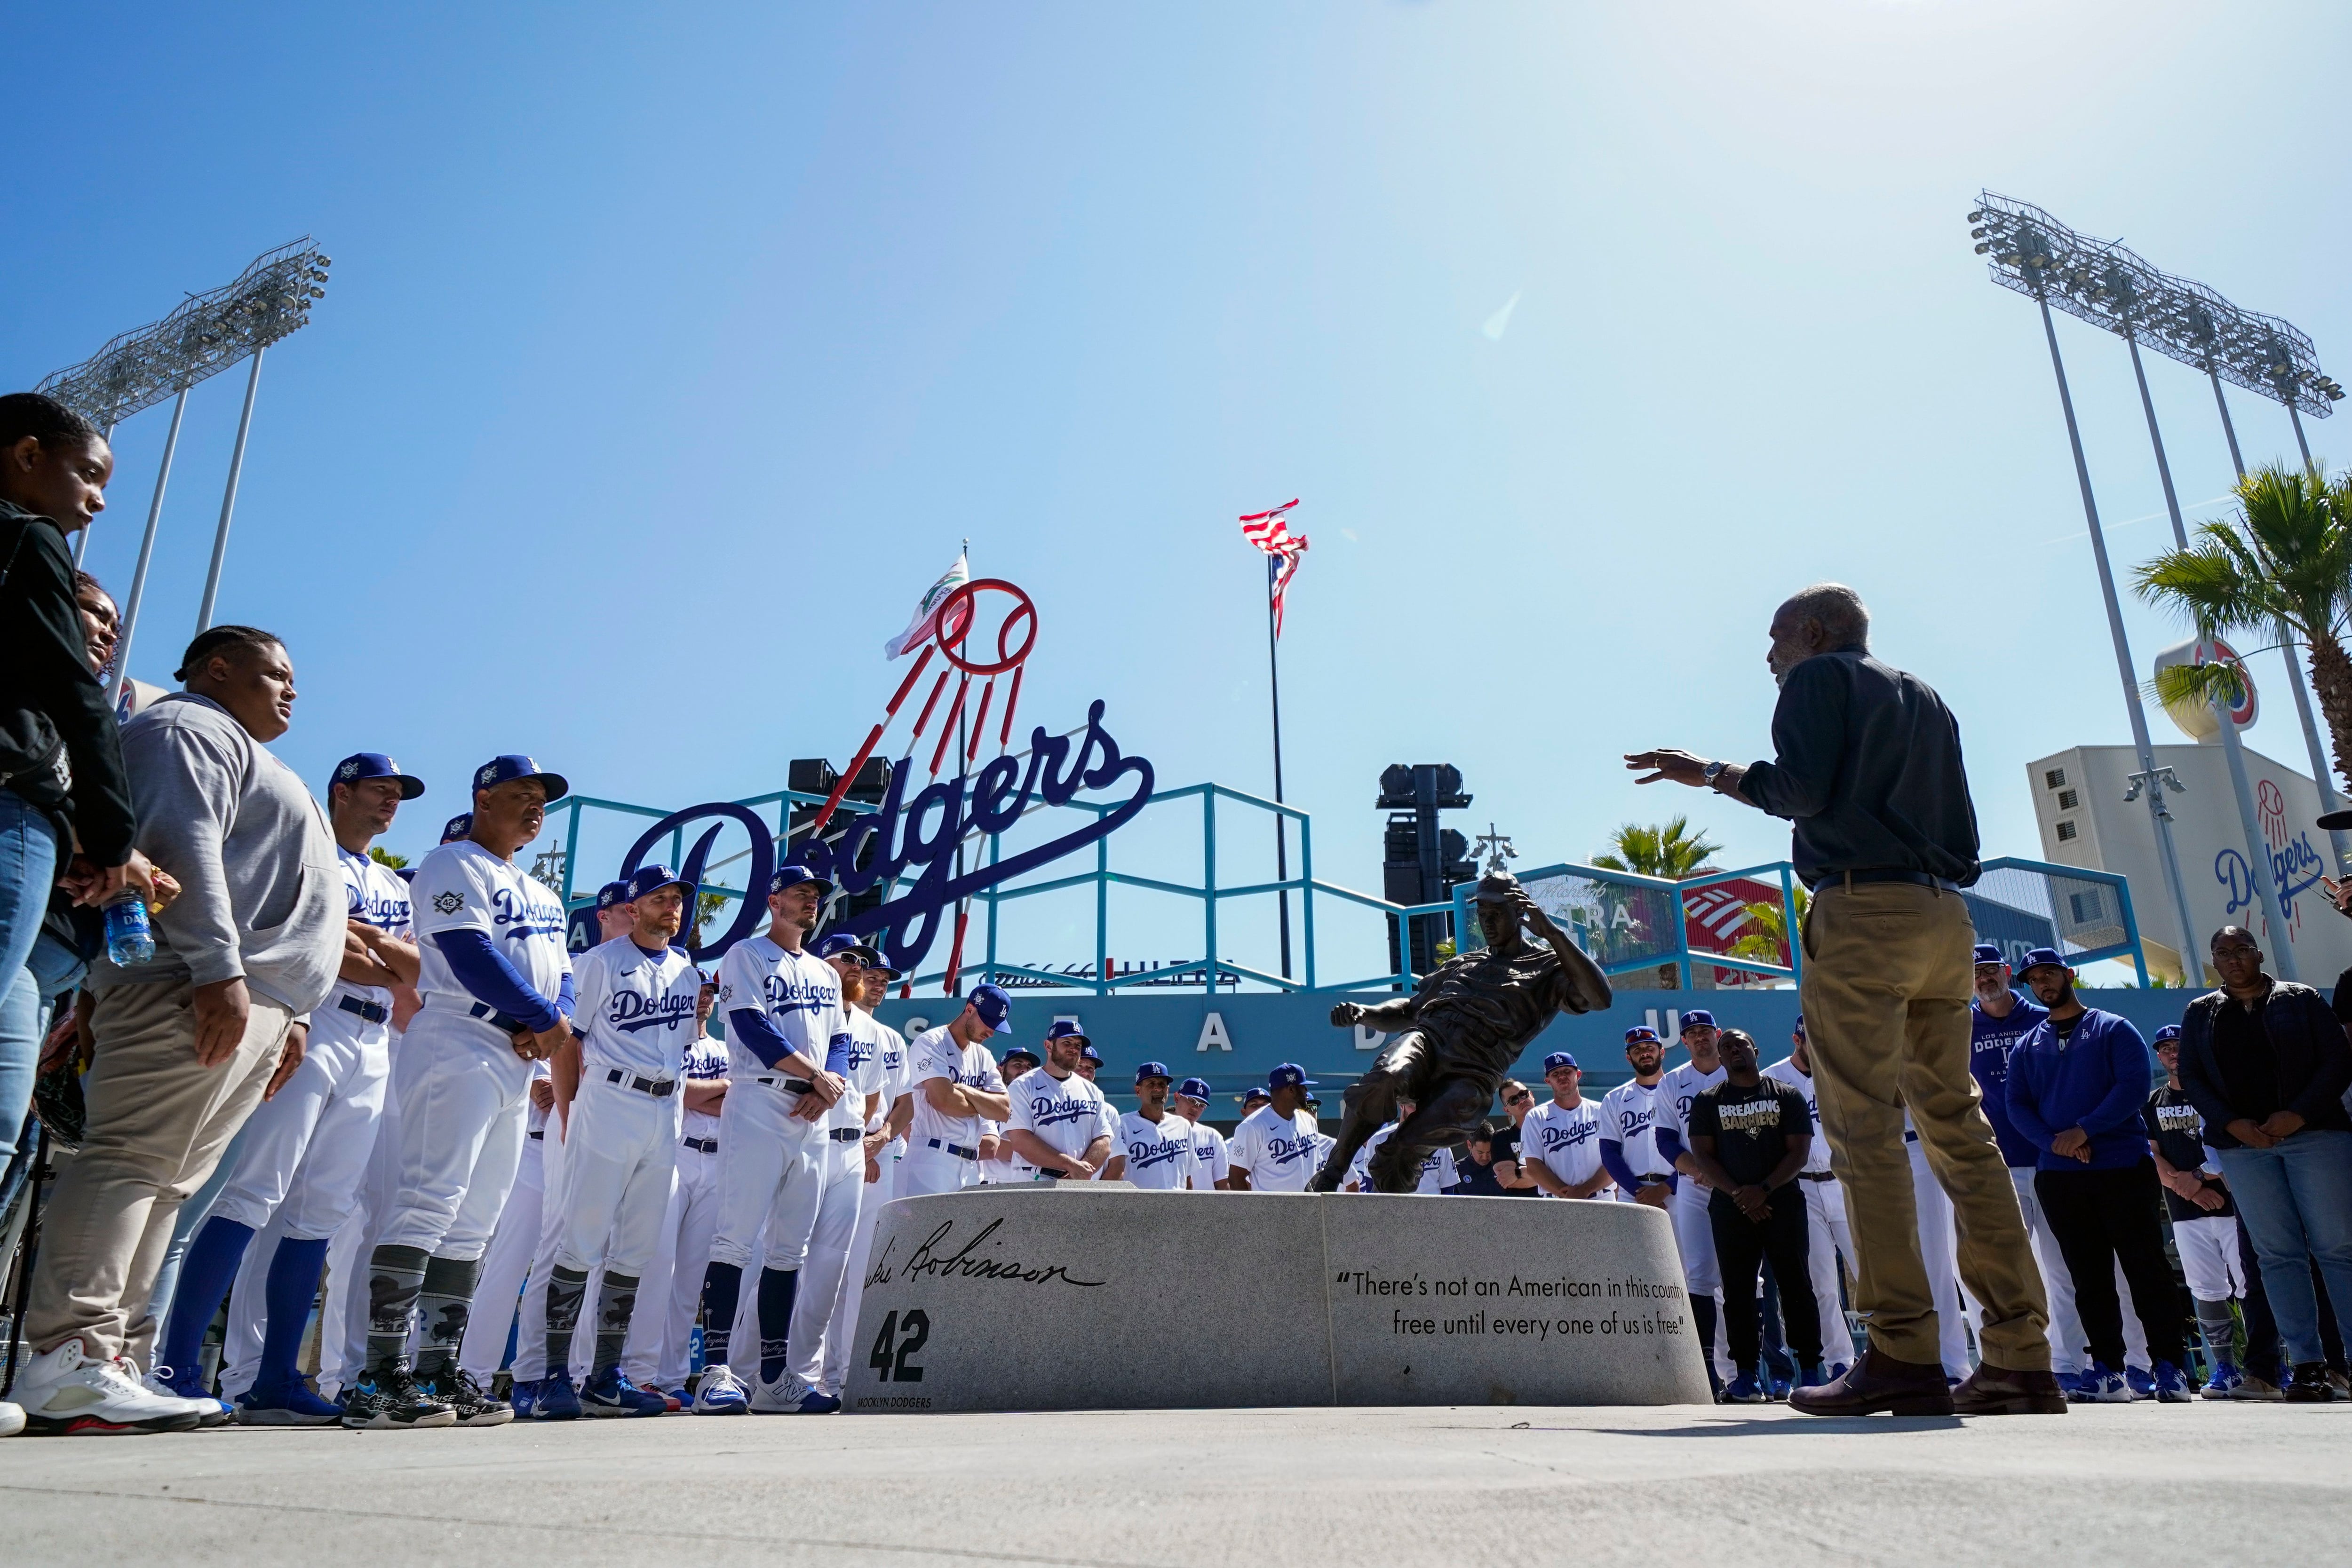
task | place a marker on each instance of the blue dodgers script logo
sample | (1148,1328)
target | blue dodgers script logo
(1047,1108)
(920,836)
(1557,1136)
(630,1012)
(799,996)
(1145,1152)
(376,909)
(524,916)
(1283,1151)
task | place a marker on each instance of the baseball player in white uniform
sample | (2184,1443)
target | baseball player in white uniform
(1694,1232)
(1275,1149)
(1827,1238)
(956,1085)
(787,1042)
(637,1002)
(1212,1165)
(885,1145)
(304,1151)
(1560,1141)
(661,1341)
(1155,1148)
(496,985)
(1438,1171)
(999,1164)
(1629,1143)
(1059,1121)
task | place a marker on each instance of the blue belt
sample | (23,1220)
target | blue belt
(506,1021)
(958,1150)
(374,1012)
(843,1135)
(699,1146)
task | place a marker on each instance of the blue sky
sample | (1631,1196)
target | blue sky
(665,365)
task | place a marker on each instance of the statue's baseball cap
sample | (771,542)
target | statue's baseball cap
(506,770)
(1496,887)
(1697,1018)
(1289,1075)
(362,765)
(993,1005)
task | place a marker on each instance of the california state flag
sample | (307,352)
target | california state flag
(926,624)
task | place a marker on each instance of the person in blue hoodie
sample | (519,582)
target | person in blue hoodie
(2075,1087)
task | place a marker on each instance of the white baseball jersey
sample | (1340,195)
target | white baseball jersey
(935,1054)
(1786,1071)
(1437,1171)
(1321,1155)
(1566,1139)
(1625,1115)
(1212,1163)
(891,1050)
(1280,1152)
(863,1070)
(463,887)
(635,1009)
(799,994)
(374,895)
(1067,1113)
(1671,1109)
(1159,1153)
(705,1059)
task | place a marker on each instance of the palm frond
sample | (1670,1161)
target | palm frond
(2197,684)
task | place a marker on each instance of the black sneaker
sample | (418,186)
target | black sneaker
(2309,1385)
(384,1400)
(457,1388)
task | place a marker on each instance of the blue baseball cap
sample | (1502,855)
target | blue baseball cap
(995,1008)
(832,944)
(405,873)
(1697,1018)
(792,874)
(505,769)
(1065,1028)
(1153,1069)
(1289,1075)
(2169,1032)
(1990,953)
(612,895)
(1640,1032)
(1250,1094)
(645,879)
(1559,1059)
(362,765)
(873,959)
(1023,1052)
(1801,1025)
(1194,1089)
(460,826)
(1087,1052)
(2037,956)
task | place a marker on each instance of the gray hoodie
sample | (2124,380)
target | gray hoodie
(264,894)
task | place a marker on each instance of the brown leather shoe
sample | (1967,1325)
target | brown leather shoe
(2003,1391)
(1879,1383)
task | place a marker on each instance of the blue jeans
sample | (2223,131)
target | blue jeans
(2296,1200)
(29,873)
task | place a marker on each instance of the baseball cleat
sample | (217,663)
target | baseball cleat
(2101,1386)
(2225,1380)
(65,1394)
(390,1400)
(719,1392)
(2141,1384)
(788,1395)
(522,1397)
(2172,1385)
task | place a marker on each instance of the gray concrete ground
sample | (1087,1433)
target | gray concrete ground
(1484,1487)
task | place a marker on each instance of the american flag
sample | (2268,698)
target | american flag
(1271,533)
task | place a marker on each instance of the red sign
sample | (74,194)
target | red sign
(1716,919)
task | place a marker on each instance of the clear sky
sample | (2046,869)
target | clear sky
(666,362)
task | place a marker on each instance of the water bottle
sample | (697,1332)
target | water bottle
(128,940)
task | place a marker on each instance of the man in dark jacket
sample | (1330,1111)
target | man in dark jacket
(61,779)
(2266,1064)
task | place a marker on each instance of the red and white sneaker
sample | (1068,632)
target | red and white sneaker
(67,1395)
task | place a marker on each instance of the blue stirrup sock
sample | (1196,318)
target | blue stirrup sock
(294,1272)
(722,1291)
(206,1275)
(777,1288)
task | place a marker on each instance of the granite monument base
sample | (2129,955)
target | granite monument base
(1083,1296)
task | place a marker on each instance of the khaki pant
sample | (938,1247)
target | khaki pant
(157,1125)
(1886,995)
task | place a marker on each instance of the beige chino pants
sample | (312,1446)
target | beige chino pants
(157,1125)
(1885,994)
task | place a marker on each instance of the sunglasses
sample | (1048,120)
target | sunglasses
(1521,1098)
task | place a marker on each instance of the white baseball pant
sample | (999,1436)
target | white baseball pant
(840,1336)
(531,1325)
(461,1133)
(2208,1256)
(837,1194)
(620,1159)
(1939,1249)
(763,1154)
(506,1264)
(1695,1237)
(929,1168)
(343,1325)
(1826,1237)
(661,1334)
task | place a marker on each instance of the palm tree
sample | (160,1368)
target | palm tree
(1767,936)
(2282,563)
(391,858)
(1669,850)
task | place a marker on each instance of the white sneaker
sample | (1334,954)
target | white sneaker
(12,1419)
(721,1392)
(65,1394)
(789,1396)
(210,1412)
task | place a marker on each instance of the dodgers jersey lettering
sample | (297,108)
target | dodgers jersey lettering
(1567,1140)
(935,1054)
(1626,1116)
(463,887)
(1278,1151)
(1670,1107)
(801,995)
(1437,1172)
(1786,1071)
(1991,1040)
(1067,1113)
(373,895)
(862,1067)
(1159,1153)
(705,1060)
(635,1009)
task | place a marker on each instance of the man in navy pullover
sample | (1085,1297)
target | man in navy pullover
(2075,1088)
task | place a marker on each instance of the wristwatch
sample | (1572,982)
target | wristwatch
(1711,772)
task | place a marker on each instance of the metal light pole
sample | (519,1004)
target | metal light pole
(2233,751)
(2147,780)
(146,552)
(1281,824)
(228,498)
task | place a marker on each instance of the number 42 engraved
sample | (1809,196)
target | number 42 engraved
(889,1358)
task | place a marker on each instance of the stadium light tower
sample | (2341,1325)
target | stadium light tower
(269,300)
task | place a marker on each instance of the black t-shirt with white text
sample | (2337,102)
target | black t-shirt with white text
(1752,1127)
(2179,1133)
(1507,1147)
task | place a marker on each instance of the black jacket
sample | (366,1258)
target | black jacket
(55,725)
(2314,1061)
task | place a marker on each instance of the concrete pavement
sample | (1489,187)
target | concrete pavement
(1479,1486)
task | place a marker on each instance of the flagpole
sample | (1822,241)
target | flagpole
(1281,832)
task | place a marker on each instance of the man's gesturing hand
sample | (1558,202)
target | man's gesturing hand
(1680,767)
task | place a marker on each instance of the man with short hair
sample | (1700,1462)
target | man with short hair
(190,1040)
(1056,1119)
(1826,1236)
(1511,1168)
(1561,1140)
(1155,1148)
(661,1339)
(957,1085)
(1475,1164)
(1629,1143)
(1213,1164)
(1273,1149)
(2204,1220)
(2076,1087)
(1694,1232)
(999,1164)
